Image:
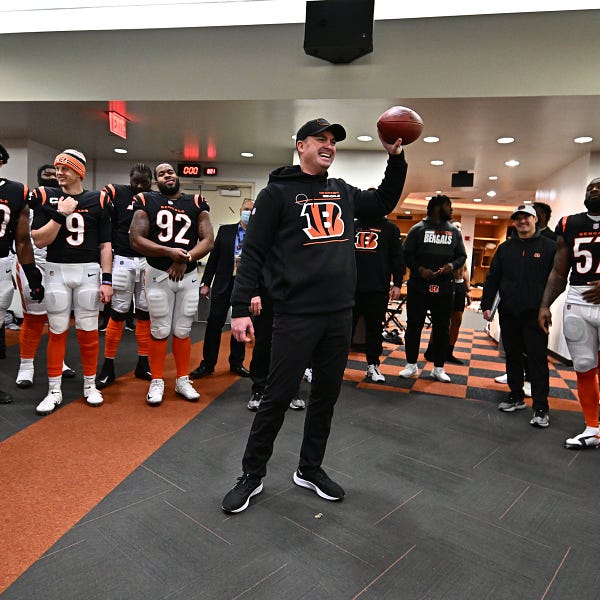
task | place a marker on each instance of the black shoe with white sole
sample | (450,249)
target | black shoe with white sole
(238,498)
(319,482)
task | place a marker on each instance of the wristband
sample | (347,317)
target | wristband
(106,278)
(59,217)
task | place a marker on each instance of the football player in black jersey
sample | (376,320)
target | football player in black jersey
(14,228)
(74,225)
(127,277)
(578,251)
(34,311)
(173,231)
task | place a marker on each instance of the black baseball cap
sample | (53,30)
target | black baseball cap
(318,126)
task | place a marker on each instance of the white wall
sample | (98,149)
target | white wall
(594,166)
(16,168)
(38,155)
(564,190)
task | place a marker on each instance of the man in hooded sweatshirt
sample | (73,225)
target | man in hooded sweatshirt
(302,232)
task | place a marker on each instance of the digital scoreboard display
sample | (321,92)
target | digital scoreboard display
(189,169)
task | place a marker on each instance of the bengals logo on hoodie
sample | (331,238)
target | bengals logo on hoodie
(324,221)
(367,240)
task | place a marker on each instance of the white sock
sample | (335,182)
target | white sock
(54,383)
(89,381)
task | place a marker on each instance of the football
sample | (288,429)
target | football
(400,122)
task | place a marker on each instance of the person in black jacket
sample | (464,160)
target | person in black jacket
(518,273)
(433,250)
(544,212)
(302,230)
(217,284)
(379,260)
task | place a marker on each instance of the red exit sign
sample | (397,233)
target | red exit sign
(117,124)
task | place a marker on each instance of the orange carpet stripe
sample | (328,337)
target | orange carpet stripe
(55,471)
(438,388)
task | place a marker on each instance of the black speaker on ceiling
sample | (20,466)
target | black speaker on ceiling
(462,179)
(339,31)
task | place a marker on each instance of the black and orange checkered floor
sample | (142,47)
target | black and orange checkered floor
(474,380)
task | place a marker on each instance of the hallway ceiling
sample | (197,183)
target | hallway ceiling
(216,132)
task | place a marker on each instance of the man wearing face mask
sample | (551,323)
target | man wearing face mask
(217,284)
(578,252)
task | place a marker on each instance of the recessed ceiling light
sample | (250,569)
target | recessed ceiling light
(247,154)
(493,177)
(407,212)
(584,139)
(527,201)
(120,150)
(476,199)
(491,193)
(494,216)
(512,163)
(431,139)
(505,140)
(437,163)
(427,197)
(364,138)
(438,191)
(294,137)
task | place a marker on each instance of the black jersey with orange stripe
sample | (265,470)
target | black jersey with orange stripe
(121,210)
(79,239)
(13,199)
(582,236)
(173,223)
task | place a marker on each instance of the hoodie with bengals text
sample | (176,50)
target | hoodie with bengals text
(432,245)
(302,231)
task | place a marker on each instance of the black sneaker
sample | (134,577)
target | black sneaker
(454,360)
(540,418)
(142,369)
(5,398)
(68,373)
(319,482)
(511,404)
(106,376)
(254,401)
(238,498)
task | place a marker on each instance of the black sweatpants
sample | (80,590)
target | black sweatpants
(219,305)
(440,305)
(372,306)
(324,340)
(261,353)
(522,335)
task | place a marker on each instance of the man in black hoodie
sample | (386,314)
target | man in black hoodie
(302,231)
(379,259)
(433,250)
(518,273)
